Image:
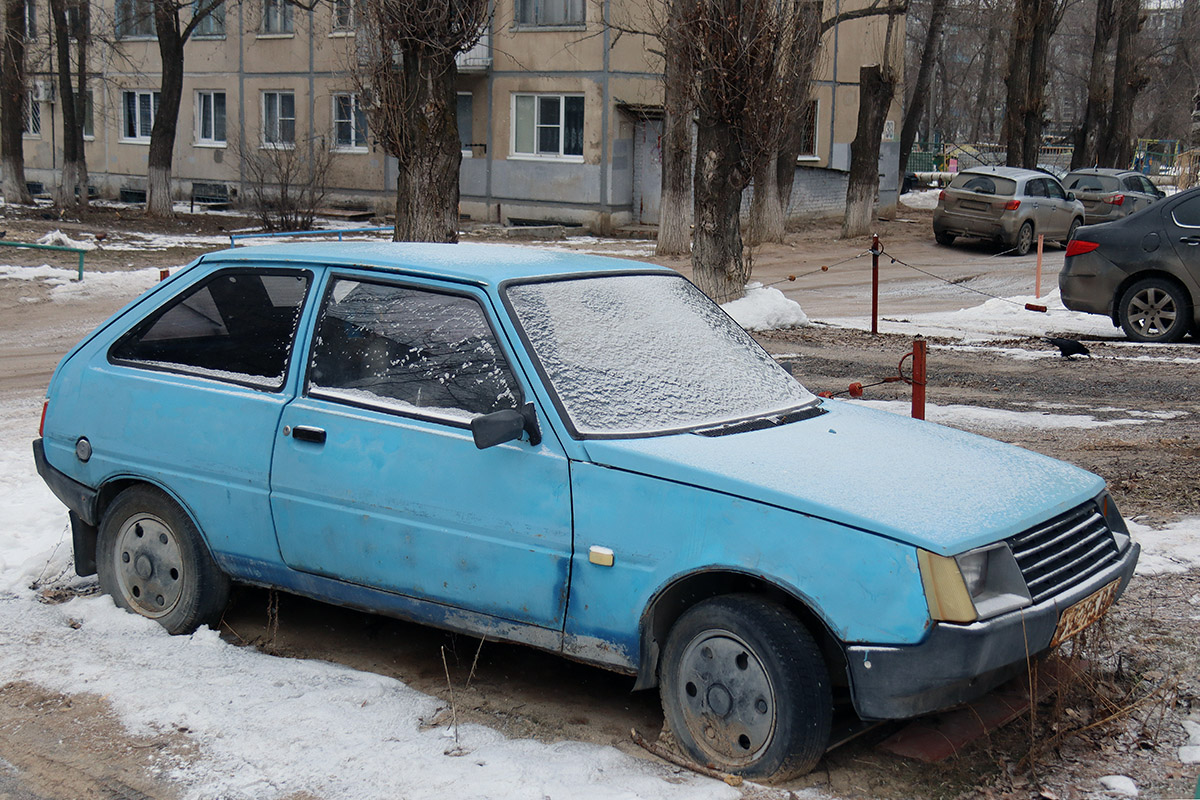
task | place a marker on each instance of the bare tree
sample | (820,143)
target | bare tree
(73,188)
(1090,133)
(876,88)
(1034,22)
(173,34)
(1117,148)
(409,72)
(13,104)
(920,90)
(674,226)
(287,184)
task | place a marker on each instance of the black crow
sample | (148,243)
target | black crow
(1068,347)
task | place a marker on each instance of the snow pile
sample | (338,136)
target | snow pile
(999,419)
(60,239)
(1175,548)
(65,283)
(764,308)
(926,200)
(1119,785)
(1190,752)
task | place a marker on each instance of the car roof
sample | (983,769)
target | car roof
(1116,173)
(1015,173)
(481,264)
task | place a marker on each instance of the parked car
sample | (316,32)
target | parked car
(1142,271)
(1109,194)
(1007,204)
(582,454)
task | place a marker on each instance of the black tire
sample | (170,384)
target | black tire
(1075,223)
(943,238)
(1025,239)
(744,688)
(151,561)
(1155,310)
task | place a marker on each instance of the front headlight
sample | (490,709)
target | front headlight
(979,584)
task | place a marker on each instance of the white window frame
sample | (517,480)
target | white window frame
(468,152)
(354,146)
(210,141)
(155,97)
(31,26)
(538,14)
(141,15)
(277,19)
(278,144)
(347,26)
(31,117)
(208,28)
(535,154)
(815,155)
(89,116)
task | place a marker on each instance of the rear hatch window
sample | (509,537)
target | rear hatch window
(984,184)
(1099,184)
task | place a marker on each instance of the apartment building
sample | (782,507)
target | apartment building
(559,113)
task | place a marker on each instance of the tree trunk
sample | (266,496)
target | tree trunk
(427,184)
(1088,138)
(166,120)
(920,93)
(876,87)
(1118,146)
(71,191)
(718,266)
(675,210)
(767,211)
(1034,22)
(985,105)
(12,104)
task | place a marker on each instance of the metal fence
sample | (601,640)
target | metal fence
(1151,157)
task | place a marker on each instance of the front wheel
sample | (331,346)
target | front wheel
(744,688)
(1075,223)
(1155,310)
(152,561)
(1024,241)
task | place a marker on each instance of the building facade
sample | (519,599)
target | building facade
(559,112)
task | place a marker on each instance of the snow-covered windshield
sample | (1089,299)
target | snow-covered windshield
(639,354)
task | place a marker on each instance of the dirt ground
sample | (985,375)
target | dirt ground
(1123,719)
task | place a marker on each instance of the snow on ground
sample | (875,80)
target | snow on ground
(60,239)
(65,285)
(996,419)
(926,200)
(995,319)
(765,308)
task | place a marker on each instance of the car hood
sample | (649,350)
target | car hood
(928,485)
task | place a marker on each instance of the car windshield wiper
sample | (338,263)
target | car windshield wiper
(763,422)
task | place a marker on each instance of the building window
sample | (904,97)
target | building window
(550,12)
(210,118)
(808,131)
(31,115)
(465,122)
(135,18)
(279,119)
(214,23)
(30,19)
(349,123)
(277,16)
(89,114)
(548,125)
(77,21)
(345,14)
(140,108)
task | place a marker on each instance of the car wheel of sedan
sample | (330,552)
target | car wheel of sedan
(942,238)
(1024,241)
(1075,223)
(1155,310)
(745,689)
(151,560)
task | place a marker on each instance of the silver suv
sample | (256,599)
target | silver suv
(1109,194)
(1007,204)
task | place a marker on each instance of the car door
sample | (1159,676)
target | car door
(1062,210)
(1043,211)
(1135,193)
(1182,224)
(376,479)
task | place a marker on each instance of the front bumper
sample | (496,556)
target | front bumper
(959,663)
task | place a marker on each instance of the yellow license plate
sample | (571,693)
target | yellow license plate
(1085,612)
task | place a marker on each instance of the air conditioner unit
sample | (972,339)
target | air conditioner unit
(43,91)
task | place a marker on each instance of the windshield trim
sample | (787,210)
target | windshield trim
(563,415)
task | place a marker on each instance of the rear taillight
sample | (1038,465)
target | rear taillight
(1012,205)
(1078,248)
(42,424)
(1115,199)
(942,196)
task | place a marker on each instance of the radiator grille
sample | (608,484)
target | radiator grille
(1065,551)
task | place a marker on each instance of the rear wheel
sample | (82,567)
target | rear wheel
(1075,223)
(944,238)
(745,689)
(1024,242)
(151,560)
(1155,310)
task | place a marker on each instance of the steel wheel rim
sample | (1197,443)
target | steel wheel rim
(148,564)
(1152,312)
(727,697)
(1025,238)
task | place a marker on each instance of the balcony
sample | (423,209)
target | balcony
(478,58)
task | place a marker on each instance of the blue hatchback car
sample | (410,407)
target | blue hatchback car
(581,454)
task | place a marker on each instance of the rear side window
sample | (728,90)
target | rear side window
(411,350)
(1036,188)
(1187,213)
(236,326)
(983,184)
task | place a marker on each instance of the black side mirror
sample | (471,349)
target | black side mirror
(1071,196)
(507,425)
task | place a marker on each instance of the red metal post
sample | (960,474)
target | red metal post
(1037,282)
(163,274)
(875,251)
(918,379)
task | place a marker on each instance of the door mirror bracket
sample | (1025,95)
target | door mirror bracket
(507,425)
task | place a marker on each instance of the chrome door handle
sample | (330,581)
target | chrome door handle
(1190,241)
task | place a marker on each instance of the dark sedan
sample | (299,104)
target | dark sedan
(1143,271)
